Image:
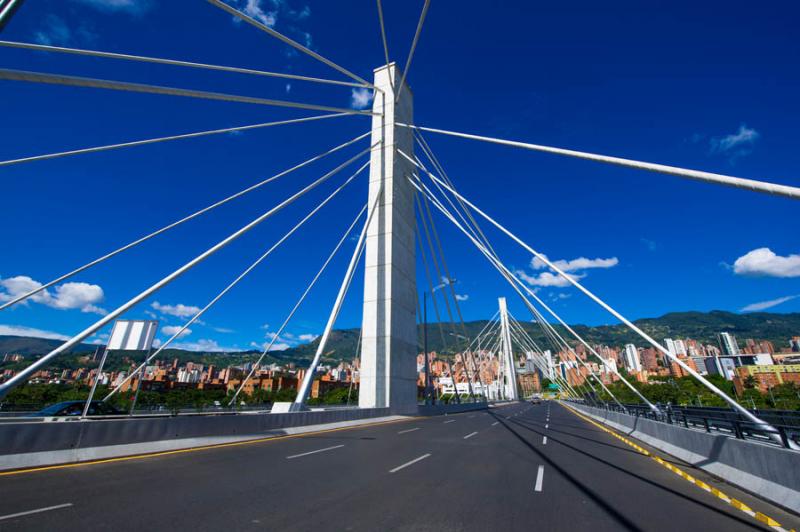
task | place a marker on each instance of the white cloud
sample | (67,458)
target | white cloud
(581,263)
(462,297)
(553,280)
(21,330)
(763,305)
(307,337)
(134,7)
(68,296)
(223,330)
(764,262)
(744,137)
(547,279)
(180,310)
(288,88)
(54,31)
(169,330)
(360,98)
(649,244)
(736,144)
(255,9)
(202,345)
(277,346)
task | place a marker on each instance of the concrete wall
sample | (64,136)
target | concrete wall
(389,332)
(33,444)
(767,471)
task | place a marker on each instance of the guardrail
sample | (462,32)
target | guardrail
(786,423)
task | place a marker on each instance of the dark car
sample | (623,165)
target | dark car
(75,409)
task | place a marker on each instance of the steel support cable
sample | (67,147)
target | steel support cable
(731,402)
(236,281)
(76,339)
(514,281)
(297,305)
(131,144)
(488,323)
(521,331)
(302,393)
(383,38)
(430,285)
(294,44)
(720,179)
(472,224)
(428,365)
(174,62)
(77,81)
(588,368)
(534,359)
(178,222)
(414,42)
(452,291)
(441,278)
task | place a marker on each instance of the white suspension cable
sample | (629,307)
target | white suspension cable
(413,47)
(76,81)
(172,62)
(514,281)
(302,394)
(23,374)
(166,139)
(536,361)
(297,305)
(736,406)
(179,222)
(236,281)
(737,182)
(383,37)
(479,235)
(294,44)
(582,362)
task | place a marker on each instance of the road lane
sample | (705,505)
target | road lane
(510,473)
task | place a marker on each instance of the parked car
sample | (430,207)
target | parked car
(75,409)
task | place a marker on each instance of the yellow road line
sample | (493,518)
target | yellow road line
(739,505)
(142,456)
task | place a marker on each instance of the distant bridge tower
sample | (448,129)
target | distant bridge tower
(389,332)
(507,354)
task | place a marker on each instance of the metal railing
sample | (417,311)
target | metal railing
(785,423)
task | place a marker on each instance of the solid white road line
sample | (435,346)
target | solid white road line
(410,430)
(544,440)
(314,452)
(414,461)
(471,434)
(539,479)
(36,511)
(450,421)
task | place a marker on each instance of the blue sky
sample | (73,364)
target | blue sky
(711,87)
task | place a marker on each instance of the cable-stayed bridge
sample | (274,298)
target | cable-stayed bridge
(487,460)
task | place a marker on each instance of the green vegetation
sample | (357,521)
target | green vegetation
(688,392)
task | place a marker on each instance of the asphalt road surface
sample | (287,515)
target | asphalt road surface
(520,467)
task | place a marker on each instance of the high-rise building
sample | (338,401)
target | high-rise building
(632,360)
(727,342)
(670,344)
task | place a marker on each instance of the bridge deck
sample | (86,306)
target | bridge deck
(471,471)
